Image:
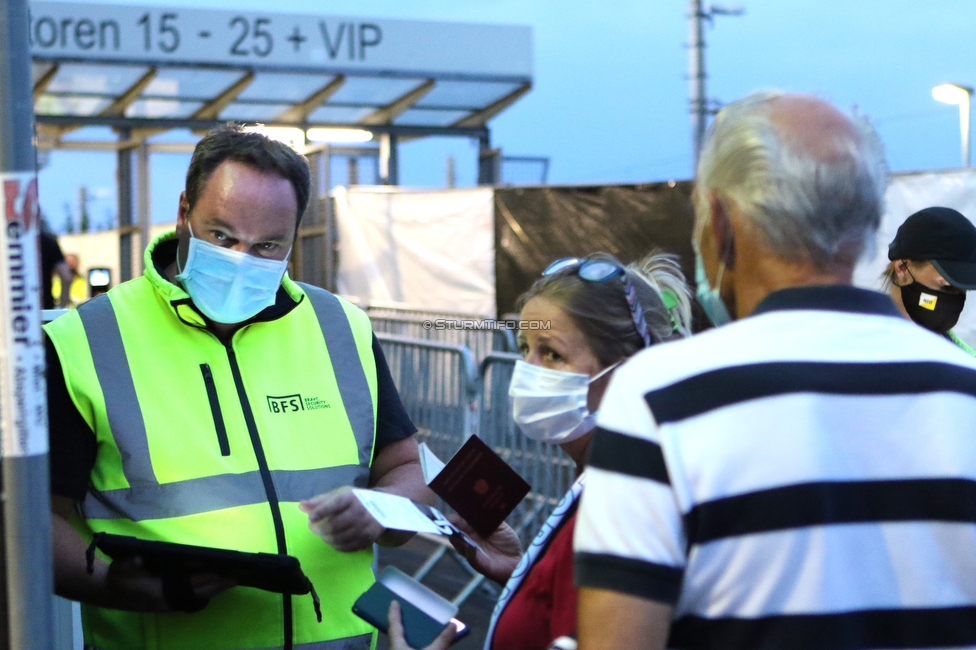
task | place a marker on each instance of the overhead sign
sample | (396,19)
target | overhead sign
(142,34)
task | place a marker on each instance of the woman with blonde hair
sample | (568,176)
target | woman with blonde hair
(598,314)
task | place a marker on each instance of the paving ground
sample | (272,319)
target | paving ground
(447,579)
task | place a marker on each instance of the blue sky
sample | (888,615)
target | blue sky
(610,97)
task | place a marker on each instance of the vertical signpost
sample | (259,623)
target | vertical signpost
(23,394)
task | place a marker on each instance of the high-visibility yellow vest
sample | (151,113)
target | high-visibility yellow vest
(204,443)
(78,292)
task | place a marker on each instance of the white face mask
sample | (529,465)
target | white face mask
(550,405)
(228,286)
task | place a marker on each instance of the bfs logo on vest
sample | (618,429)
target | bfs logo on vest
(295,403)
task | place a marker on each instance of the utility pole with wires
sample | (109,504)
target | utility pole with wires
(701,107)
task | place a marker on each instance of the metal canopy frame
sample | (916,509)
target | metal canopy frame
(145,98)
(59,84)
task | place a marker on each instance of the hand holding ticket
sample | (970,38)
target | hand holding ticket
(399,513)
(340,519)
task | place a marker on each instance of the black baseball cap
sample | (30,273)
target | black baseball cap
(941,236)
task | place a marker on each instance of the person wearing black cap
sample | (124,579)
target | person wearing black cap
(933,265)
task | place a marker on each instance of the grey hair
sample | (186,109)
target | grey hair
(823,210)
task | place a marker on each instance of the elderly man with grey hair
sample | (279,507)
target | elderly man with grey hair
(802,477)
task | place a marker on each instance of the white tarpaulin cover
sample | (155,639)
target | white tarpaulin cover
(907,194)
(431,249)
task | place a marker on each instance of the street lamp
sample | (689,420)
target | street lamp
(962,95)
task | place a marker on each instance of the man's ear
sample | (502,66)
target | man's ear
(183,211)
(722,230)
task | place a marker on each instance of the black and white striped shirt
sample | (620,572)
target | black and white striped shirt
(802,478)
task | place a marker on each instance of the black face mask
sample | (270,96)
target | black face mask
(934,310)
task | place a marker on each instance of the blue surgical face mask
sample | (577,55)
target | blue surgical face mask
(707,297)
(228,286)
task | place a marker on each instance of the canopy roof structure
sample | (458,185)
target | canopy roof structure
(145,71)
(70,95)
(149,69)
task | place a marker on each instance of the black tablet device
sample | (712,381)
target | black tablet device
(270,572)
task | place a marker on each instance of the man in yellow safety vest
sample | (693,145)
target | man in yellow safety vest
(215,402)
(78,288)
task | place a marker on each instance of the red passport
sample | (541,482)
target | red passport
(480,486)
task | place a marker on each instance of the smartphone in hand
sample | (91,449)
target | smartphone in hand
(424,613)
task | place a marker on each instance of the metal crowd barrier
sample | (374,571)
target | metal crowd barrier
(399,309)
(453,329)
(548,469)
(470,330)
(438,385)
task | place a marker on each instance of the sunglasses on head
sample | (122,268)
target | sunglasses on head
(590,270)
(601,271)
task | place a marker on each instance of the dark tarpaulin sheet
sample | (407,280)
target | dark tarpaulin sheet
(536,225)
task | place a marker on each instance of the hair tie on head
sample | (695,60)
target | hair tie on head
(670,300)
(636,312)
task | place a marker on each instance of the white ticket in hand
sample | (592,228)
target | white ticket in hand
(400,513)
(395,512)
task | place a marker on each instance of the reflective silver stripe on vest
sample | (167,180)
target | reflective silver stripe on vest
(209,493)
(115,378)
(348,643)
(348,367)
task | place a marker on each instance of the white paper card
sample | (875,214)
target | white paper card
(396,512)
(431,603)
(429,463)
